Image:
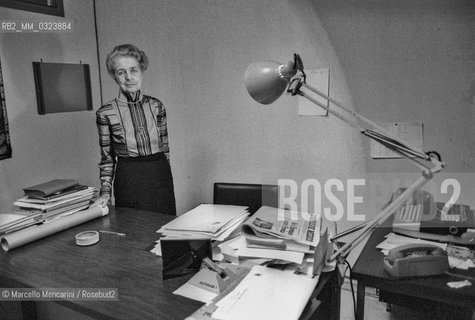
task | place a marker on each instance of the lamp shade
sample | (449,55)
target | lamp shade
(267,80)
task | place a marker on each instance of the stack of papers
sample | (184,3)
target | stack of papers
(282,229)
(60,204)
(395,240)
(47,201)
(266,293)
(276,234)
(213,221)
(14,221)
(236,249)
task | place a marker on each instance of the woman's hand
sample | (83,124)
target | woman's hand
(102,201)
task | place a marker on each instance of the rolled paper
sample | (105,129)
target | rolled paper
(18,238)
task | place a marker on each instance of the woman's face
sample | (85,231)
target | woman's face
(128,74)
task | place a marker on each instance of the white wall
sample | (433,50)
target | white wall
(198,52)
(393,61)
(411,61)
(58,145)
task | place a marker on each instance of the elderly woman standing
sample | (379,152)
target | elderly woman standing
(133,139)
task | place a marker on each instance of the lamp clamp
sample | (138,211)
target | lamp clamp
(294,86)
(298,64)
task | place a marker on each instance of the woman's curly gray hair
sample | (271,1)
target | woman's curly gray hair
(126,50)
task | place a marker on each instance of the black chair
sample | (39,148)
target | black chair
(244,194)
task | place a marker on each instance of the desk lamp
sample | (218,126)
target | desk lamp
(266,81)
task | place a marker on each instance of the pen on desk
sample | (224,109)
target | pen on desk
(113,232)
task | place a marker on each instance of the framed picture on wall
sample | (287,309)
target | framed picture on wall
(51,7)
(62,87)
(5,146)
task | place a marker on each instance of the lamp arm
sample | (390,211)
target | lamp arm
(352,122)
(384,215)
(267,80)
(396,147)
(354,116)
(340,116)
(387,139)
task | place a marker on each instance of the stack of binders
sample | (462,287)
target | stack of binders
(49,200)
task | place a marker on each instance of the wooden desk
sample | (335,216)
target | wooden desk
(115,262)
(428,294)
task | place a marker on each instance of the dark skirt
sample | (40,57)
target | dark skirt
(145,183)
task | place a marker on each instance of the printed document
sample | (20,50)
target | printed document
(206,218)
(275,223)
(266,293)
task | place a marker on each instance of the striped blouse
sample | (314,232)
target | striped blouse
(129,128)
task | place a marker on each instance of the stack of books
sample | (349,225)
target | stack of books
(49,200)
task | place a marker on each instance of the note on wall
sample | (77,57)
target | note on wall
(319,79)
(410,132)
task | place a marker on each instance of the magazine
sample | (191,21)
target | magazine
(273,225)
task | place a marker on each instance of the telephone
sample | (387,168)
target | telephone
(416,260)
